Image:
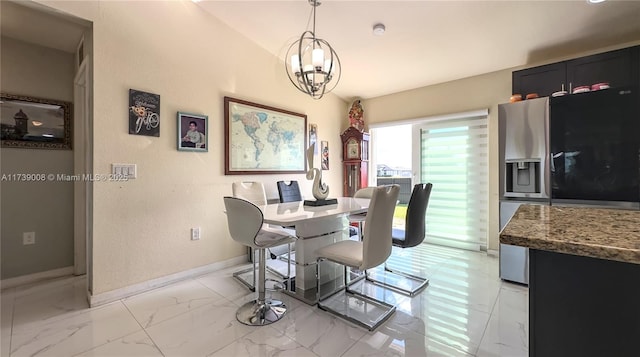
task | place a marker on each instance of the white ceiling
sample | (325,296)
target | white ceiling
(429,42)
(426,42)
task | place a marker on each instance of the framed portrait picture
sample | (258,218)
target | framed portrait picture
(192,132)
(29,122)
(144,113)
(260,139)
(324,155)
(313,137)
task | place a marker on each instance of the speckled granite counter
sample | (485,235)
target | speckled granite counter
(610,234)
(584,279)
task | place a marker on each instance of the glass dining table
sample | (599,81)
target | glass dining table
(315,227)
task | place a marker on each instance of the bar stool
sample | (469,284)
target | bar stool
(253,192)
(245,222)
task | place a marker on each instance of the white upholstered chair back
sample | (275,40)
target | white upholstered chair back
(244,220)
(377,227)
(251,191)
(366,192)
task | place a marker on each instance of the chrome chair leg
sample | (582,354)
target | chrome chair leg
(422,282)
(390,309)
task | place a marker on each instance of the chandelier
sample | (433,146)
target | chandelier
(311,63)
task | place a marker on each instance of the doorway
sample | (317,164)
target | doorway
(49,211)
(82,158)
(451,152)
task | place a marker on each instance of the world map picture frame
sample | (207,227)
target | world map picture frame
(261,139)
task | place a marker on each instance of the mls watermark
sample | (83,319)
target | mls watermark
(40,177)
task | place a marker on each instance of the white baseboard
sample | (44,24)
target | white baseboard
(493,253)
(117,294)
(36,277)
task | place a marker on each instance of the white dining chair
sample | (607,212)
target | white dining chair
(411,235)
(251,191)
(372,250)
(359,218)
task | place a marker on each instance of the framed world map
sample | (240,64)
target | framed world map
(263,140)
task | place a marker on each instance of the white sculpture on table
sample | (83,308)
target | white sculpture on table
(320,189)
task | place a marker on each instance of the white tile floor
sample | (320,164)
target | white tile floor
(465,311)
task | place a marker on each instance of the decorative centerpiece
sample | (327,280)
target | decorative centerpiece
(319,189)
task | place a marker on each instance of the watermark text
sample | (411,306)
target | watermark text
(50,177)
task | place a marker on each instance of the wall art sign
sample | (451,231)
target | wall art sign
(324,154)
(144,113)
(313,137)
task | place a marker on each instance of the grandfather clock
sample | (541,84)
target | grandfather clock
(355,160)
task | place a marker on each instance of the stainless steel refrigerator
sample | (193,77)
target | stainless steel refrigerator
(524,172)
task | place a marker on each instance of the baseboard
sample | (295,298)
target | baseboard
(36,277)
(117,294)
(493,253)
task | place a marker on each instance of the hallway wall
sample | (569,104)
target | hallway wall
(45,208)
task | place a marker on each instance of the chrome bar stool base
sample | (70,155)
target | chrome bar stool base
(256,313)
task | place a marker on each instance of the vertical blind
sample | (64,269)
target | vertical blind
(454,158)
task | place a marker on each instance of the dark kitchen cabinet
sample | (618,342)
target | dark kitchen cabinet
(543,80)
(582,306)
(615,67)
(620,68)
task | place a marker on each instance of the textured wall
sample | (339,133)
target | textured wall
(192,60)
(42,207)
(481,92)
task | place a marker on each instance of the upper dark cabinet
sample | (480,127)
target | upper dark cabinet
(615,67)
(543,80)
(619,68)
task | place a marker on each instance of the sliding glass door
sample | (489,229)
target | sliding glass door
(452,154)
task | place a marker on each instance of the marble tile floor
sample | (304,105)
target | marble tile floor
(465,311)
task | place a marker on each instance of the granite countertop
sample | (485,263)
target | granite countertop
(610,234)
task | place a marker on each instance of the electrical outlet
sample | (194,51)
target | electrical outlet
(28,238)
(195,233)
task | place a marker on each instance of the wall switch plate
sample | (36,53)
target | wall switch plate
(125,171)
(195,233)
(28,238)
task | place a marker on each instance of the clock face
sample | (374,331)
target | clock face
(352,149)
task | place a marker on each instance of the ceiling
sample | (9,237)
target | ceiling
(429,42)
(426,42)
(54,30)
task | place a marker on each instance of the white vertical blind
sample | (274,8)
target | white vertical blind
(454,158)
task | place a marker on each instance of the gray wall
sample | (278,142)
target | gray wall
(42,207)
